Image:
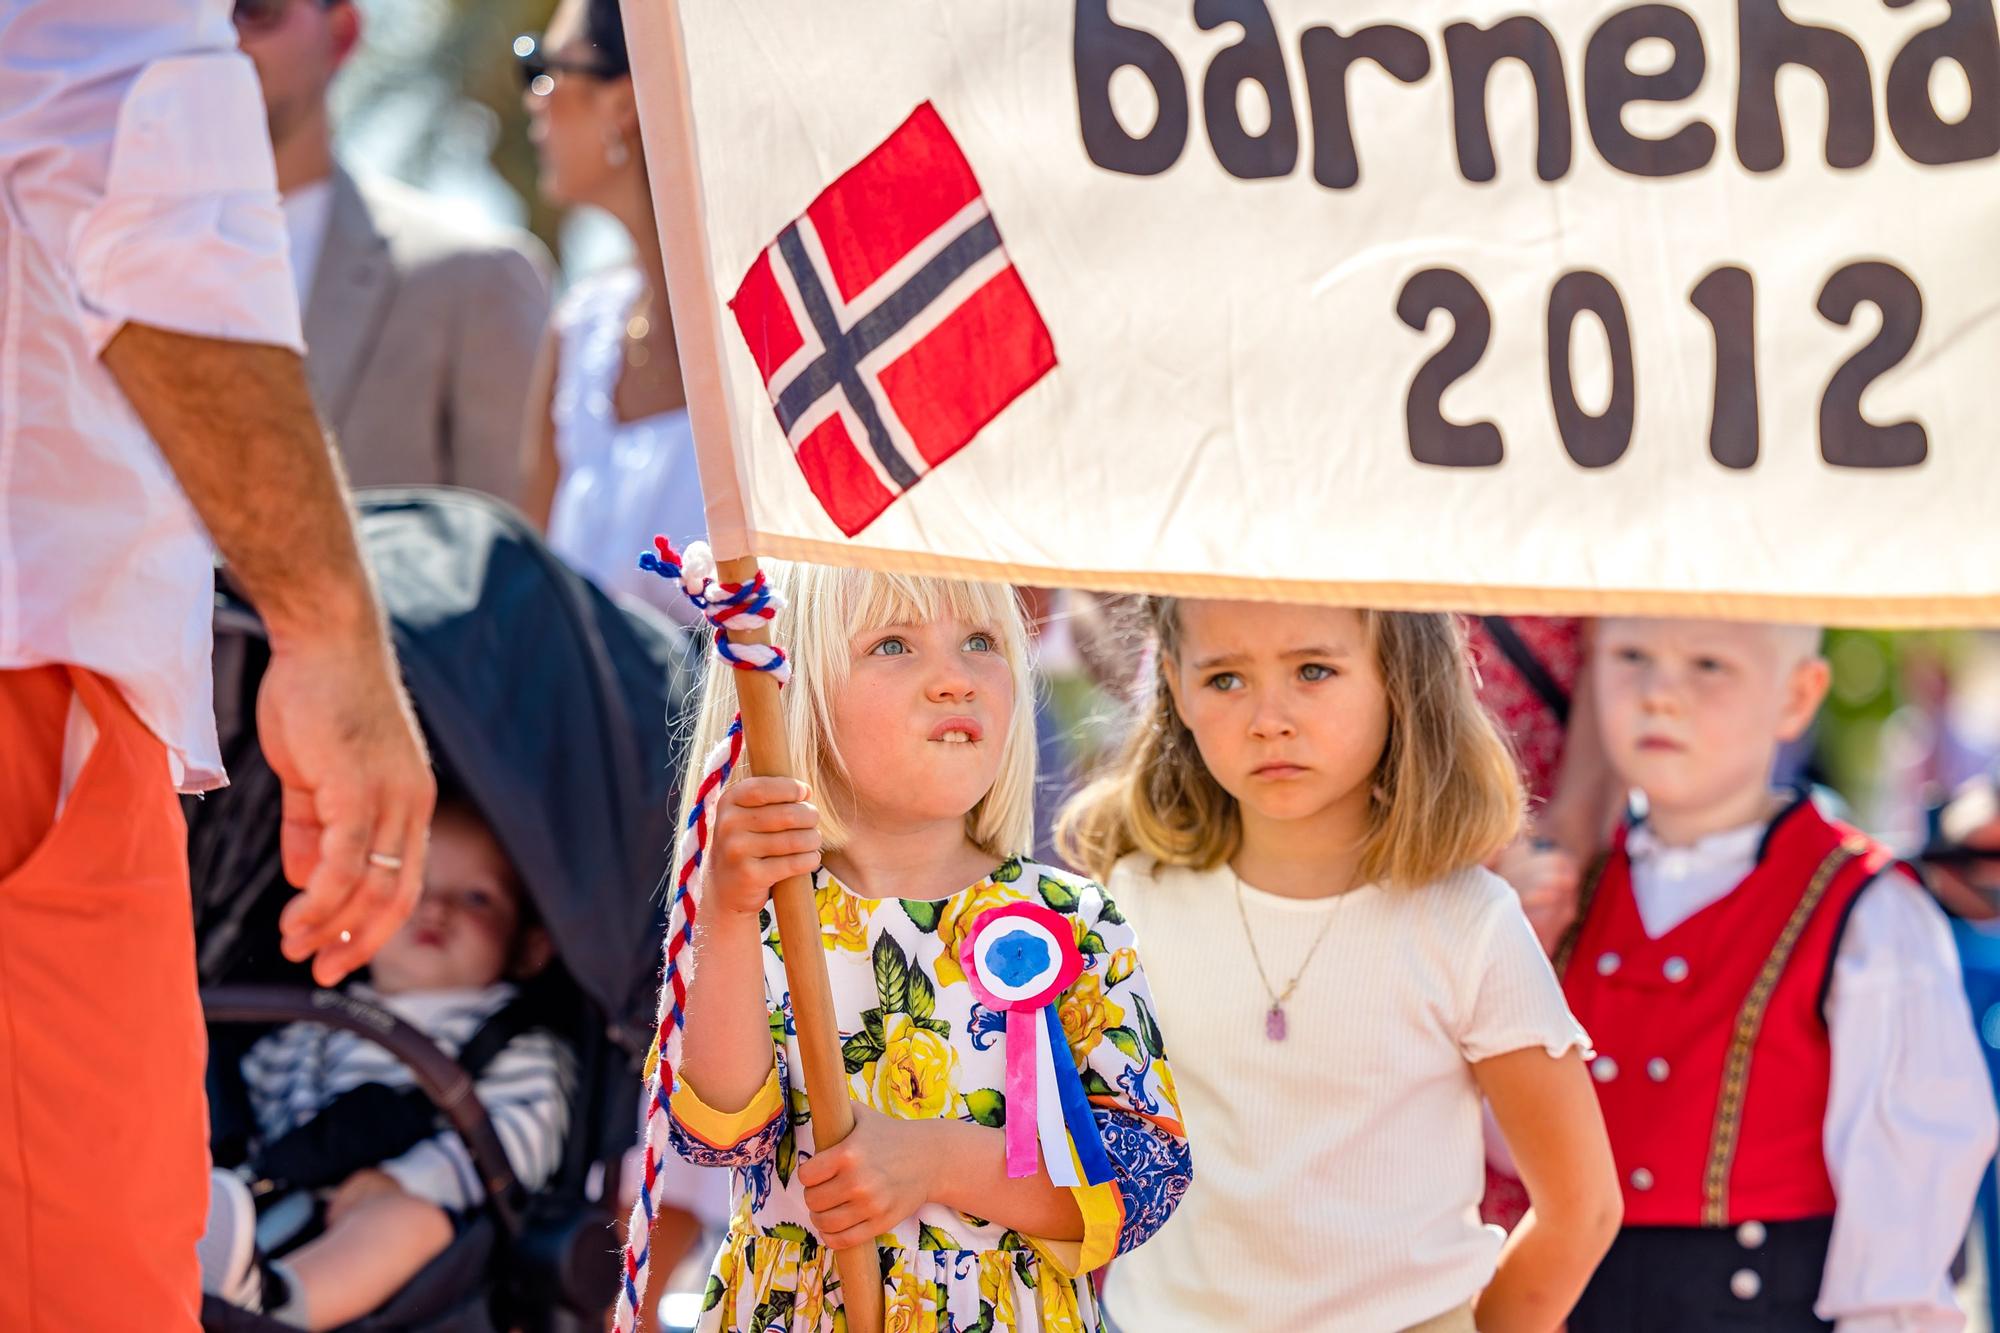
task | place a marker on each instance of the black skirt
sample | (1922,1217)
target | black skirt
(1754,1278)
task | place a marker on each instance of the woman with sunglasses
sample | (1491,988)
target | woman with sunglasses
(609,452)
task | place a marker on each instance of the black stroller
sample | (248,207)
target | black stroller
(559,715)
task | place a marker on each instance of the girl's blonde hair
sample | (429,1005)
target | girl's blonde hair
(1446,792)
(824,607)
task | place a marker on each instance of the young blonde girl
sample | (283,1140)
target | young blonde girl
(1297,827)
(910,718)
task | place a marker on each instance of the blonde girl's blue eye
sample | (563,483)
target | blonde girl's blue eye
(979,643)
(890,647)
(1316,671)
(1224,681)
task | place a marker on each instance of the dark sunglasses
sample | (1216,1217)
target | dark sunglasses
(539,68)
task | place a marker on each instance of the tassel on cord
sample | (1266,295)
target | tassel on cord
(741,607)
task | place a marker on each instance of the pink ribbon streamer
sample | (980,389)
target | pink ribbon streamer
(1020,1090)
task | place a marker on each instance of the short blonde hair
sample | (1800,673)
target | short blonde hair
(1792,645)
(825,607)
(1448,793)
(1799,644)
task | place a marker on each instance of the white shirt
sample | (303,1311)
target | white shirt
(621,482)
(307,209)
(1910,1122)
(135,184)
(1338,1172)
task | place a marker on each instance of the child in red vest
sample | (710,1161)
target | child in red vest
(1786,1063)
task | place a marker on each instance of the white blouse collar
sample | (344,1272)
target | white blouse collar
(1732,849)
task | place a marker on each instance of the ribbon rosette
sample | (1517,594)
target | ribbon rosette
(1019,959)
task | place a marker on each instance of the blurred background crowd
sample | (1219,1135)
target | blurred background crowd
(485,307)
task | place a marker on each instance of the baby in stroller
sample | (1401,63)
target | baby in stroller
(351,1188)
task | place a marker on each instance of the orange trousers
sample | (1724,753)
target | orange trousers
(103,1119)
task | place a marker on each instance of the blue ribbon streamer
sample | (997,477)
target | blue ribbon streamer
(1082,1125)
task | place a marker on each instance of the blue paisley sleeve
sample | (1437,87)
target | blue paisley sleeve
(1153,1169)
(1108,1018)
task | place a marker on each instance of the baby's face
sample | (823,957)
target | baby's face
(462,933)
(1693,711)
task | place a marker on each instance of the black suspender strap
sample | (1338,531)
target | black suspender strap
(1523,660)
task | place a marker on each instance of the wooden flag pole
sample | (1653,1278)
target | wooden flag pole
(653,29)
(797,915)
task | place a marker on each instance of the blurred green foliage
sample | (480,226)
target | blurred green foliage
(1875,673)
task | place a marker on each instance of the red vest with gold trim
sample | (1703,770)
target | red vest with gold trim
(1712,1058)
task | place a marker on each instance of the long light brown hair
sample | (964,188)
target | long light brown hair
(1446,791)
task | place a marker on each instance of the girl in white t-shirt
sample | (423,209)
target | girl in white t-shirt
(1296,829)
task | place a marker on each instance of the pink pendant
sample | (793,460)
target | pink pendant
(1274,1023)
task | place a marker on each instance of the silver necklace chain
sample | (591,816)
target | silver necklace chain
(1274,1021)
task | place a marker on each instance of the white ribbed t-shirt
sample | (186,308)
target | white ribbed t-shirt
(1337,1173)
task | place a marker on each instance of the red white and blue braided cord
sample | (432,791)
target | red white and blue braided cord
(739,607)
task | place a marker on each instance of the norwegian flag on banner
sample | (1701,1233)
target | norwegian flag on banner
(889,323)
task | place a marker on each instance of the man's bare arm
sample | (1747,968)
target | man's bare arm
(235,422)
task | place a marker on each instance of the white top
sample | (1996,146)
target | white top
(295,1073)
(1910,1122)
(138,185)
(1337,1174)
(621,482)
(307,210)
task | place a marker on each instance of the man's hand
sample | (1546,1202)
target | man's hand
(235,422)
(338,731)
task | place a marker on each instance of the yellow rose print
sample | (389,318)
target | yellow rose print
(1059,1309)
(956,923)
(1086,1012)
(913,1048)
(912,1305)
(1166,1074)
(731,1264)
(812,1282)
(764,1275)
(843,918)
(783,1271)
(913,1077)
(996,1287)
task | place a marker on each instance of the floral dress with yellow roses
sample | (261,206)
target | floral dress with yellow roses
(920,1046)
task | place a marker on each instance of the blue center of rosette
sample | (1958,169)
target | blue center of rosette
(1017,958)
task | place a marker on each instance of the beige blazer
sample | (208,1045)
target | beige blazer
(420,336)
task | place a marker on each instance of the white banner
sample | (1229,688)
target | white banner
(1682,307)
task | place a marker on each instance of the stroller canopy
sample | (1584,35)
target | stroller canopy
(559,713)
